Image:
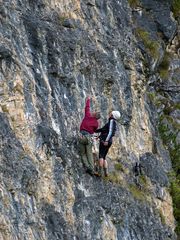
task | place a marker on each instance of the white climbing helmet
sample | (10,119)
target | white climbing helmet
(116,115)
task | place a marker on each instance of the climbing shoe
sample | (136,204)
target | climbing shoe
(100,172)
(96,168)
(97,174)
(105,172)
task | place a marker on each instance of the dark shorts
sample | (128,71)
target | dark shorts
(103,150)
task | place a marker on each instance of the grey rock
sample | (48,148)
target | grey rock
(153,169)
(63,52)
(5,52)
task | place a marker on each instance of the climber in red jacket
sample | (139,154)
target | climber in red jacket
(88,126)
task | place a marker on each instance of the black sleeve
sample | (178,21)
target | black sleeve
(103,129)
(98,130)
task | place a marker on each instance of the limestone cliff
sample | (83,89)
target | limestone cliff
(52,55)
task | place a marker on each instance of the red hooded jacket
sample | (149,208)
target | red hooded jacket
(89,123)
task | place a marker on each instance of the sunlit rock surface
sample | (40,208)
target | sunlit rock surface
(53,54)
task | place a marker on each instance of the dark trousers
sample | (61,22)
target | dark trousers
(103,150)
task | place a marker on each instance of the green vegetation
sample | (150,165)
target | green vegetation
(137,193)
(144,183)
(164,73)
(175,156)
(114,177)
(4,109)
(62,19)
(175,193)
(176,8)
(164,66)
(171,120)
(177,106)
(168,128)
(168,133)
(140,191)
(151,45)
(165,61)
(134,3)
(64,16)
(154,99)
(152,96)
(164,132)
(118,167)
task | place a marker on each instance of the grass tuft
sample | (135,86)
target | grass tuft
(137,193)
(151,45)
(164,66)
(118,167)
(134,3)
(114,177)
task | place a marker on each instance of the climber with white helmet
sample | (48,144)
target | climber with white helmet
(106,136)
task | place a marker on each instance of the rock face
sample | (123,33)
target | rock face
(53,54)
